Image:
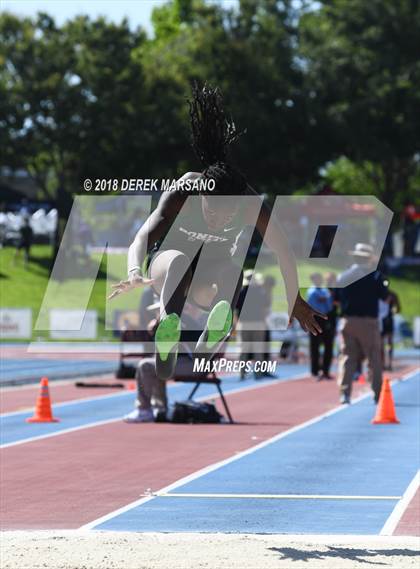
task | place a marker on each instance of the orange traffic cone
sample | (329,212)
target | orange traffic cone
(132,386)
(361,380)
(385,412)
(43,412)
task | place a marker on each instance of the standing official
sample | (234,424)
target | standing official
(320,298)
(360,334)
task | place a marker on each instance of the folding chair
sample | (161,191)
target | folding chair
(211,379)
(127,371)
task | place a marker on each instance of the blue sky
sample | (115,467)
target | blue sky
(138,12)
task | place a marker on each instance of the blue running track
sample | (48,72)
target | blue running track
(342,454)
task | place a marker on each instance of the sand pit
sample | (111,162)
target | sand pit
(115,550)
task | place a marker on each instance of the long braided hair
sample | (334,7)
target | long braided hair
(212,133)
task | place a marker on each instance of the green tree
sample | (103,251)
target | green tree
(249,52)
(73,97)
(362,62)
(349,178)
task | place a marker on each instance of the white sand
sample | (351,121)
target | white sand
(120,550)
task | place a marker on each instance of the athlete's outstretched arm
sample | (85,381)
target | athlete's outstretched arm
(151,231)
(273,234)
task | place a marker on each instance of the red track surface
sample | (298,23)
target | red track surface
(72,479)
(410,522)
(69,480)
(23,398)
(19,399)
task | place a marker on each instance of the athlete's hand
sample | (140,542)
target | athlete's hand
(305,314)
(135,280)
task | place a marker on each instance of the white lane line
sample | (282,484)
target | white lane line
(70,402)
(397,513)
(215,466)
(272,496)
(123,391)
(57,433)
(119,393)
(214,395)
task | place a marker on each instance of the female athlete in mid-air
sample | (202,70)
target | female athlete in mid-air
(217,218)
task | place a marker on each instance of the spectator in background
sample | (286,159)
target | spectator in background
(3,227)
(360,336)
(24,208)
(387,328)
(411,228)
(331,282)
(85,238)
(25,241)
(268,284)
(252,326)
(320,299)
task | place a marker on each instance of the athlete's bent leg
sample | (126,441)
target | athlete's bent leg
(219,323)
(172,275)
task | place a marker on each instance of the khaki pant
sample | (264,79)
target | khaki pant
(252,340)
(151,390)
(359,339)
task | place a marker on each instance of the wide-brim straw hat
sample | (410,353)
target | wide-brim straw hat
(363,250)
(256,278)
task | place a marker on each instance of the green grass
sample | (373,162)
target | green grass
(408,291)
(20,287)
(25,287)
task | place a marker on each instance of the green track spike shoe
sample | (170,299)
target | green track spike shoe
(167,337)
(219,324)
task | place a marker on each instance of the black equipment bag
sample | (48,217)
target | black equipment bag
(194,412)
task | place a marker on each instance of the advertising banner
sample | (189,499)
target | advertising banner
(61,324)
(15,323)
